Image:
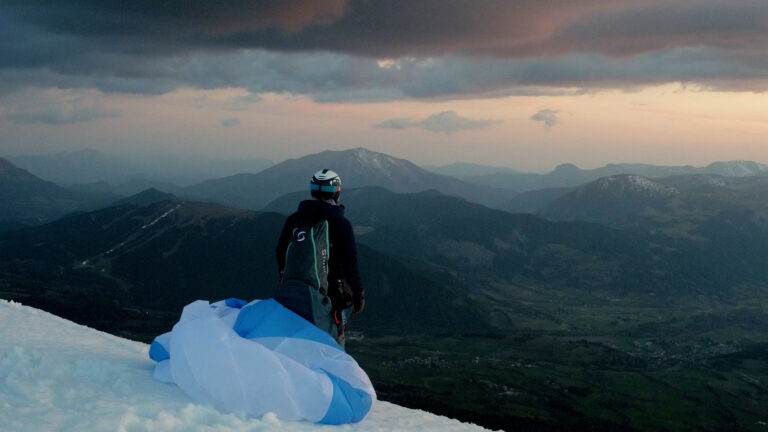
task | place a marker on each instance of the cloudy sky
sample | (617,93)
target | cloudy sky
(526,84)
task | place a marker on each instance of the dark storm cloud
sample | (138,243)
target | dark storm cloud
(735,24)
(329,48)
(379,28)
(446,122)
(176,19)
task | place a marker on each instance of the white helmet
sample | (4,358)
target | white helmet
(325,184)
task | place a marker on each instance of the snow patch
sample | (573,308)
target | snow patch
(715,181)
(630,183)
(376,161)
(57,375)
(161,217)
(109,251)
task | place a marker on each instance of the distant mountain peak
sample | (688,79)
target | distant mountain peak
(566,168)
(362,152)
(357,167)
(739,168)
(148,196)
(624,184)
(374,159)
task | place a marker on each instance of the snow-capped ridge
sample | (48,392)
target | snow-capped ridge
(625,184)
(357,167)
(374,160)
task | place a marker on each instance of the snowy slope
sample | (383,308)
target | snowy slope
(56,375)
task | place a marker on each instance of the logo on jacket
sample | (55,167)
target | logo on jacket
(301,235)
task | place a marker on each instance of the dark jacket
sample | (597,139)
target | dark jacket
(342,263)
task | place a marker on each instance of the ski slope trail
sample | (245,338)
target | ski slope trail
(56,375)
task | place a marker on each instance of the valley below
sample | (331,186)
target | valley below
(586,364)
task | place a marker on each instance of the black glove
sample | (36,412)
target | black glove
(358,301)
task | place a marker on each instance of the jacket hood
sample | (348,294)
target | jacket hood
(316,209)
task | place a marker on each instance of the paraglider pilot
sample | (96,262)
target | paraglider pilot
(317,260)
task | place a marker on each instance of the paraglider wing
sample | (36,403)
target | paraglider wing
(262,358)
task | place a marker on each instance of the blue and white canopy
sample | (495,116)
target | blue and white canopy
(259,358)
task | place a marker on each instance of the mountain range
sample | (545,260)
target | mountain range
(451,234)
(426,256)
(242,182)
(483,244)
(569,175)
(621,198)
(358,168)
(677,206)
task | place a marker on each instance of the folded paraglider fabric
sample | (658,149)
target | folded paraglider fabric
(259,358)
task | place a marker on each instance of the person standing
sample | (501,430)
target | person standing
(317,260)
